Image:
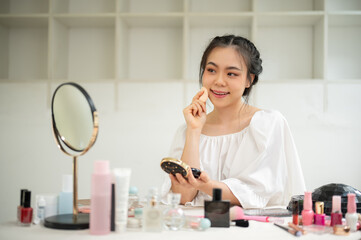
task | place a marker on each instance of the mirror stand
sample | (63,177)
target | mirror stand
(75,220)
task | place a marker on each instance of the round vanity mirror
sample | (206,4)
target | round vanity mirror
(75,128)
(74,118)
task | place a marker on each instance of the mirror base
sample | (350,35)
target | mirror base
(66,221)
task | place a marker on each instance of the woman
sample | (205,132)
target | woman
(247,152)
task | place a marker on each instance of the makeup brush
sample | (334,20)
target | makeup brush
(237,213)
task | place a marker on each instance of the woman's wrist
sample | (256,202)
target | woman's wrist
(196,132)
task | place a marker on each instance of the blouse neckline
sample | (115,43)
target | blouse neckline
(236,133)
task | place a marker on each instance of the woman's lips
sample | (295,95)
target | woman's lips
(219,94)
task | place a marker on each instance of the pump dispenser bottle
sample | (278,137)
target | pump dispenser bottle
(336,214)
(152,217)
(65,202)
(307,212)
(100,199)
(351,215)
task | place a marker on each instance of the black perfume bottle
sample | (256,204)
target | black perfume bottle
(217,210)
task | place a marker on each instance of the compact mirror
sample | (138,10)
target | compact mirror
(75,128)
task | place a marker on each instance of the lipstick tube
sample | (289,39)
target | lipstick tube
(319,216)
(295,209)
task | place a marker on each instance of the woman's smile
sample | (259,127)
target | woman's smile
(219,94)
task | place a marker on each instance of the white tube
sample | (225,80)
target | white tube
(121,180)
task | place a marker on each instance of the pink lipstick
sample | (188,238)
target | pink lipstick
(219,94)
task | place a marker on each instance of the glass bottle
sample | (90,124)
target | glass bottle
(174,215)
(152,217)
(133,201)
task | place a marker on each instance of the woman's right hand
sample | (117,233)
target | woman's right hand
(195,114)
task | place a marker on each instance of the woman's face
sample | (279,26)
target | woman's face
(225,77)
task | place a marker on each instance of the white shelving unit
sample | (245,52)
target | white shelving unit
(162,40)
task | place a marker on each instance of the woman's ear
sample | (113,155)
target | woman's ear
(249,83)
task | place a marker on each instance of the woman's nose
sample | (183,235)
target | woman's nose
(219,80)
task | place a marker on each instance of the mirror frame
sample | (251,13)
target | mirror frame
(57,135)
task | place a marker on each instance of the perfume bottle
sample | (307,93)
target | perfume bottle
(217,211)
(319,216)
(173,215)
(153,218)
(307,212)
(336,214)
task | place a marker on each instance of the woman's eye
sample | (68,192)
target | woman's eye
(210,70)
(232,74)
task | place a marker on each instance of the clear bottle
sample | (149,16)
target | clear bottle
(152,217)
(65,202)
(133,201)
(174,215)
(40,210)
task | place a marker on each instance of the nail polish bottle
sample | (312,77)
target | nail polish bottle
(295,209)
(351,215)
(22,192)
(26,214)
(336,214)
(307,212)
(100,203)
(217,211)
(319,218)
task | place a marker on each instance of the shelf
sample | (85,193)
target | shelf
(83,6)
(343,5)
(24,6)
(344,52)
(24,49)
(150,48)
(83,48)
(213,6)
(203,28)
(147,6)
(288,5)
(291,46)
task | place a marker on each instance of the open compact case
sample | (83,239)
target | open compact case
(172,165)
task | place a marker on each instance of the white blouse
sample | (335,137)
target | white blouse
(259,164)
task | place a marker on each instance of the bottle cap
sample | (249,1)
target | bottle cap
(336,203)
(27,199)
(41,202)
(204,224)
(319,207)
(133,190)
(22,194)
(351,204)
(307,202)
(217,194)
(67,183)
(101,167)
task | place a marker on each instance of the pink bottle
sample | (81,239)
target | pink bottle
(336,214)
(307,212)
(351,215)
(100,199)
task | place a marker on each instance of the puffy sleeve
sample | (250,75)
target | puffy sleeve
(176,151)
(265,170)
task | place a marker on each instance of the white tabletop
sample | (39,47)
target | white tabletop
(256,230)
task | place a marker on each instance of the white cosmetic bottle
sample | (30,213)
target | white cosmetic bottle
(65,202)
(351,215)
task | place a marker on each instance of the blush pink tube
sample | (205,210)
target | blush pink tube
(100,199)
(307,212)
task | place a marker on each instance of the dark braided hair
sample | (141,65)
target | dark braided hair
(245,48)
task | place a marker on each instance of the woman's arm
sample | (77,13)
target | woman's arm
(195,116)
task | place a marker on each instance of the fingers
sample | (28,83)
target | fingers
(198,95)
(204,177)
(198,107)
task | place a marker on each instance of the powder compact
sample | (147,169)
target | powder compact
(172,165)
